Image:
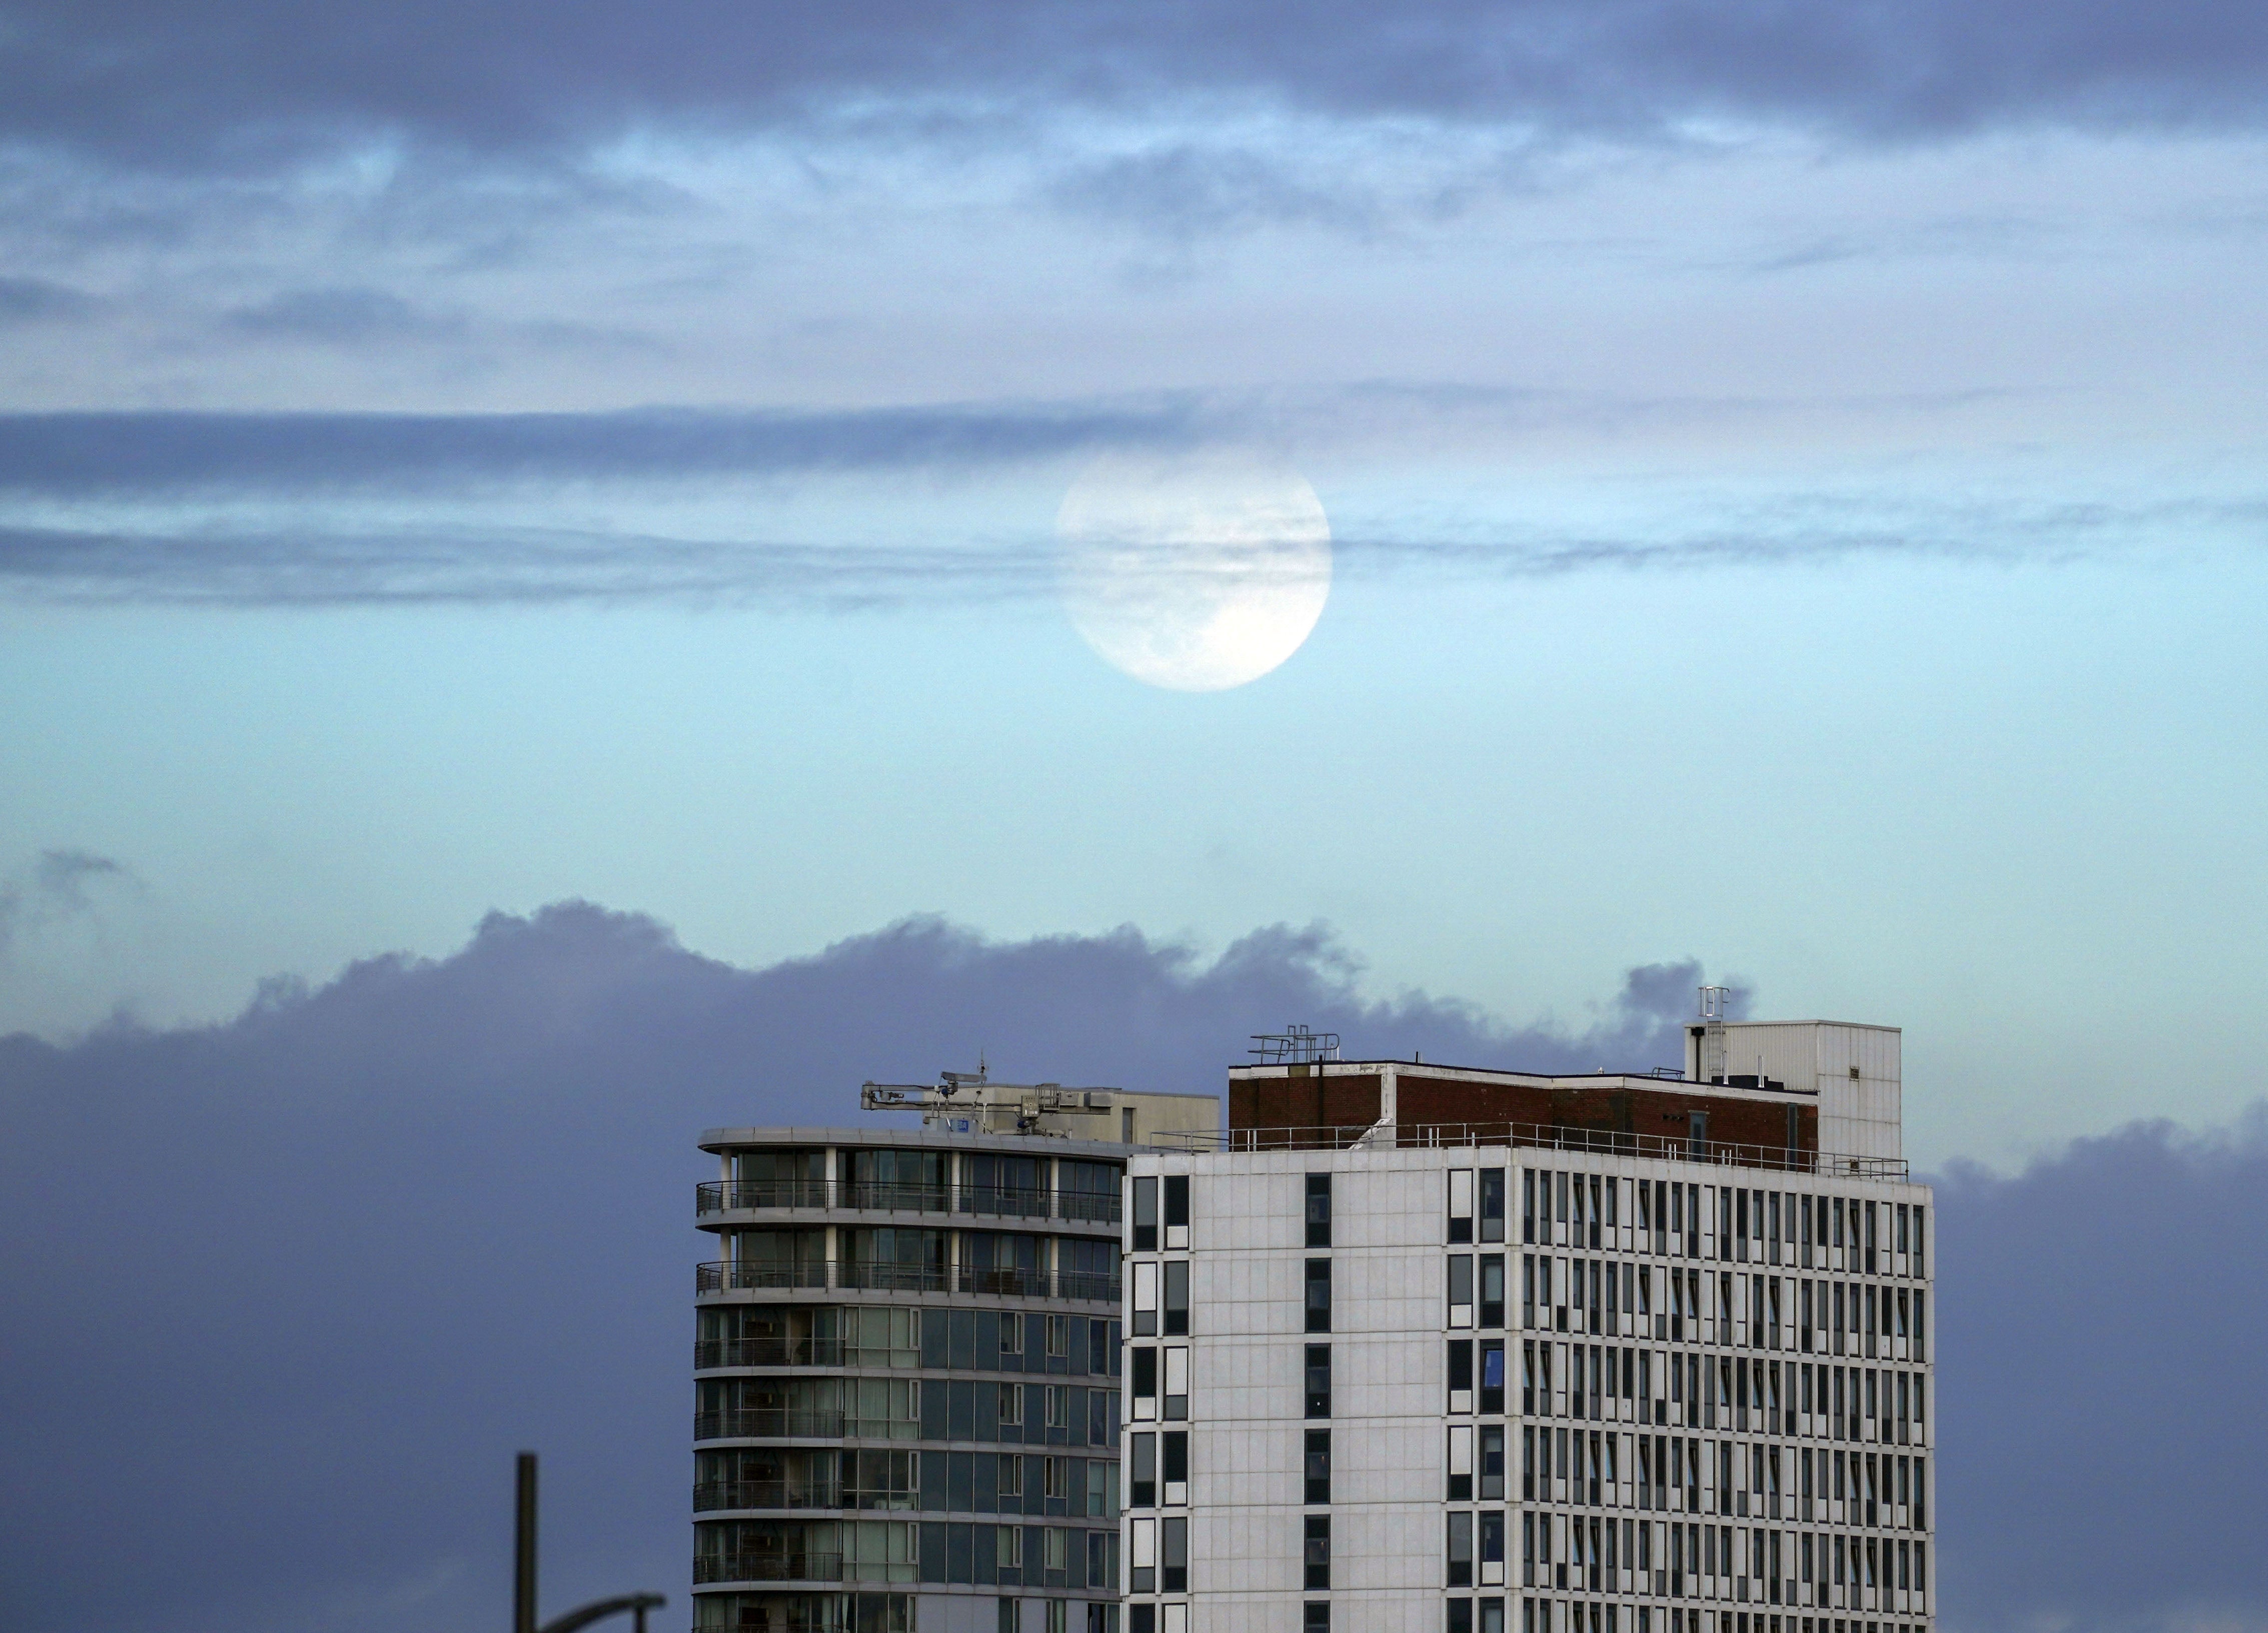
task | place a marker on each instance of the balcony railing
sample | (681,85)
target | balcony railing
(773,1352)
(1603,1141)
(765,1422)
(799,1567)
(1098,1287)
(1002,1201)
(709,1495)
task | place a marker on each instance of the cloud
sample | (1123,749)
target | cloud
(230,85)
(289,1290)
(346,316)
(76,455)
(36,300)
(59,888)
(285,1293)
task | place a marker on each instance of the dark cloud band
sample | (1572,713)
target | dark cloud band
(245,81)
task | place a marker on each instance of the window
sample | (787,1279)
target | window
(1318,1466)
(1316,1616)
(1491,1289)
(1012,1475)
(1319,1295)
(1527,1205)
(1491,1463)
(1460,1290)
(1174,1448)
(1142,1565)
(1058,1609)
(1145,1298)
(1174,1555)
(1142,1618)
(1460,1374)
(1145,1216)
(1491,1205)
(1461,1615)
(1319,1380)
(1145,1385)
(1492,1550)
(1492,1375)
(1460,1550)
(1006,1620)
(1177,1210)
(1012,1406)
(1177,1383)
(1177,1297)
(1461,1204)
(1461,1462)
(1319,1210)
(1058,1335)
(1054,1476)
(1317,1553)
(1142,1471)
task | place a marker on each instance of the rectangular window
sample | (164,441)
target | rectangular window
(1461,1463)
(1319,1210)
(1460,1374)
(1491,1289)
(1318,1479)
(1145,1298)
(1460,1290)
(1177,1210)
(1461,1204)
(1527,1204)
(1177,1384)
(1145,1216)
(1316,1616)
(1491,1463)
(1319,1380)
(1317,1553)
(1492,1375)
(1492,1549)
(1142,1471)
(1054,1476)
(1177,1297)
(1319,1295)
(1460,1550)
(1491,1205)
(1173,1452)
(1174,1555)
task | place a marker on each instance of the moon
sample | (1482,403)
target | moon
(1195,572)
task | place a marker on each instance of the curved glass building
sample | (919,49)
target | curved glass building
(907,1368)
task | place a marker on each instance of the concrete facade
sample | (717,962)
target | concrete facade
(1691,1391)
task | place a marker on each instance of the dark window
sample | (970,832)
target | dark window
(1145,1216)
(1145,1373)
(1319,1210)
(1174,1555)
(1492,1459)
(1142,1473)
(1460,1374)
(1141,1619)
(1175,1454)
(1491,1289)
(1491,1205)
(1319,1380)
(1461,1615)
(1177,1296)
(1316,1616)
(1177,1210)
(1318,1466)
(1319,1295)
(1492,1375)
(1460,1550)
(1318,1551)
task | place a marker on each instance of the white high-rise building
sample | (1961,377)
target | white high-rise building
(1420,1350)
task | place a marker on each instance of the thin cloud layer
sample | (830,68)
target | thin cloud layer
(245,81)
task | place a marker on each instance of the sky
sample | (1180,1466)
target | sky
(1796,486)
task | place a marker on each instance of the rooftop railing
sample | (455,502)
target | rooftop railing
(1098,1287)
(1601,1142)
(1001,1202)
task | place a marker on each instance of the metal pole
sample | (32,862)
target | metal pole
(523,1549)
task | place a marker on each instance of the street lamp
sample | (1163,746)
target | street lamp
(523,1581)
